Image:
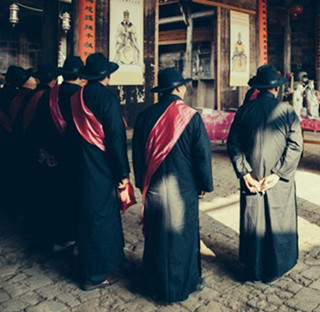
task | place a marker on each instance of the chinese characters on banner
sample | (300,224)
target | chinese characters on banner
(263,40)
(239,49)
(126,41)
(87,28)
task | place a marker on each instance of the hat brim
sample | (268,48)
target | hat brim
(69,72)
(252,83)
(39,75)
(171,86)
(84,73)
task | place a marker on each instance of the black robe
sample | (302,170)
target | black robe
(7,93)
(265,138)
(59,166)
(33,186)
(171,260)
(100,234)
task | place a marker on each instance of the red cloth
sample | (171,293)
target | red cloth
(59,122)
(310,124)
(127,197)
(218,124)
(16,103)
(87,124)
(254,95)
(92,131)
(5,121)
(162,138)
(31,108)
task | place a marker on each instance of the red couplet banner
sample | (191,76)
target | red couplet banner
(87,28)
(263,34)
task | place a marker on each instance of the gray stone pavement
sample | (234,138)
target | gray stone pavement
(48,282)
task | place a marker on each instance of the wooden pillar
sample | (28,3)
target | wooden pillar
(218,76)
(156,48)
(188,59)
(75,26)
(318,46)
(287,44)
(50,31)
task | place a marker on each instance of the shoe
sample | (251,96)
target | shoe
(106,283)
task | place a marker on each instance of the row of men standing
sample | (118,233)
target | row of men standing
(70,145)
(79,132)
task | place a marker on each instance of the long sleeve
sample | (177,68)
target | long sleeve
(201,156)
(288,163)
(237,156)
(116,140)
(138,157)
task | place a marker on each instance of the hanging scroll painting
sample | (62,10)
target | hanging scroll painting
(239,49)
(126,41)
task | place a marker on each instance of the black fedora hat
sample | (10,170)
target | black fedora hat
(168,79)
(267,77)
(17,76)
(71,65)
(47,71)
(97,67)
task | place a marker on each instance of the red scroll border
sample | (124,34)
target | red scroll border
(263,34)
(87,28)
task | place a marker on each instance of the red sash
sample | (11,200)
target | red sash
(31,108)
(55,111)
(87,124)
(16,103)
(254,95)
(92,131)
(5,121)
(162,138)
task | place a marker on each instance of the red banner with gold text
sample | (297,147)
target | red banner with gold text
(87,28)
(263,34)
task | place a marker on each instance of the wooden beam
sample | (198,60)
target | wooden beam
(175,19)
(218,75)
(225,6)
(179,36)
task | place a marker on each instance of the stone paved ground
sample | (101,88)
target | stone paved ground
(48,282)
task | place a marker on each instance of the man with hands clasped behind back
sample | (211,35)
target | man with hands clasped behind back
(265,145)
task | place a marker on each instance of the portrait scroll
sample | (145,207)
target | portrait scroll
(239,49)
(126,41)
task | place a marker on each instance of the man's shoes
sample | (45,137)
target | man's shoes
(106,283)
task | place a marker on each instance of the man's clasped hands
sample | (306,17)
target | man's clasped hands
(255,186)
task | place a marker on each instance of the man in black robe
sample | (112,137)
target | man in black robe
(171,261)
(36,191)
(102,169)
(59,153)
(7,93)
(265,144)
(12,93)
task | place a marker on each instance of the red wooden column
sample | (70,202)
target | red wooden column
(86,28)
(263,34)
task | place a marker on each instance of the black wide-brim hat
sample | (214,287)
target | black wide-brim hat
(97,67)
(168,79)
(267,77)
(71,65)
(47,71)
(17,76)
